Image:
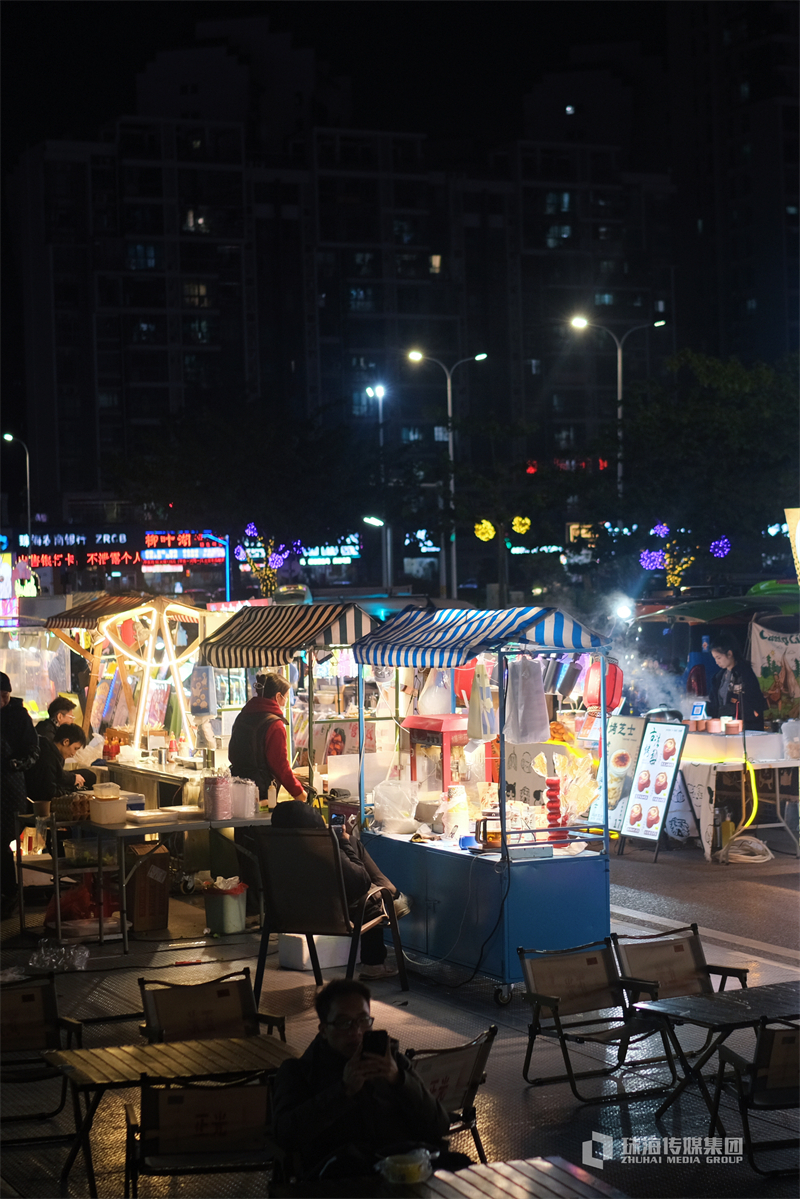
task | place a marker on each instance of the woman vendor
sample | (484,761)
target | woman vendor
(734,689)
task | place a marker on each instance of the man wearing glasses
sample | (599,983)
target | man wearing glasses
(340,1102)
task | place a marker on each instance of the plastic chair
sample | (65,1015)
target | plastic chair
(585,981)
(674,963)
(225,1007)
(453,1076)
(304,893)
(768,1083)
(29,1023)
(185,1129)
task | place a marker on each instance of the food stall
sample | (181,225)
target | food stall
(544,888)
(727,773)
(273,637)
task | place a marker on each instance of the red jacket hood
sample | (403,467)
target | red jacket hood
(259,704)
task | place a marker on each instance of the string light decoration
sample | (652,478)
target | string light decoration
(720,548)
(652,560)
(485,530)
(521,524)
(154,616)
(660,530)
(265,564)
(676,565)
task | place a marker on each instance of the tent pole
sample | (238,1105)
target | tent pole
(310,673)
(604,754)
(361,795)
(501,721)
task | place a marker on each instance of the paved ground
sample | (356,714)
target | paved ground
(749,912)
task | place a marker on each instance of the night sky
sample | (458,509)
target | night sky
(449,68)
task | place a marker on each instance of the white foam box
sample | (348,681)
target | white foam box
(721,747)
(293,951)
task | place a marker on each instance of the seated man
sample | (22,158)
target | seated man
(47,778)
(360,872)
(60,713)
(338,1100)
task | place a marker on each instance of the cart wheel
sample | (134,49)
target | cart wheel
(503,995)
(187,885)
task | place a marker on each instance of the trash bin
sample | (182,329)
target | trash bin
(225,910)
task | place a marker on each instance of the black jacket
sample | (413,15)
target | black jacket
(745,699)
(47,778)
(20,749)
(313,1118)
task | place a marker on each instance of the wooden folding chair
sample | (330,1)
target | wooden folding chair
(770,1082)
(585,982)
(187,1129)
(453,1076)
(225,1007)
(304,893)
(29,1022)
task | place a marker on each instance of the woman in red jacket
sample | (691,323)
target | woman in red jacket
(257,748)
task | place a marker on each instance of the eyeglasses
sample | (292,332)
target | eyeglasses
(361,1022)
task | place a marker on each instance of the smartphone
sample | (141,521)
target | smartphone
(336,818)
(376,1040)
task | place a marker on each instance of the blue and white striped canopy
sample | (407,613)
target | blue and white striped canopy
(271,636)
(450,637)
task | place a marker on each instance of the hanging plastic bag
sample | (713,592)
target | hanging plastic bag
(437,694)
(526,708)
(482,719)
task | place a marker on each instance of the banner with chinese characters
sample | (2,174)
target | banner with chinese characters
(624,738)
(653,780)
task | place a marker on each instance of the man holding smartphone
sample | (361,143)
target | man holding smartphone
(352,1098)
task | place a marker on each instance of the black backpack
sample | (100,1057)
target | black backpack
(246,749)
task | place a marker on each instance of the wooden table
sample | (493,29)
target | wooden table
(723,1012)
(538,1177)
(92,1072)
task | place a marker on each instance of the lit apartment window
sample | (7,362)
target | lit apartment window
(359,403)
(660,306)
(602,299)
(412,434)
(361,299)
(440,433)
(195,295)
(751,305)
(556,235)
(435,263)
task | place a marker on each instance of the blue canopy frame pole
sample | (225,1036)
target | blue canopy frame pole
(604,750)
(361,746)
(501,743)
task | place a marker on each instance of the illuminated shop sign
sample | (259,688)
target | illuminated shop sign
(81,561)
(70,539)
(333,555)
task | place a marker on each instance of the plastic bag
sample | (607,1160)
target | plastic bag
(453,812)
(89,752)
(482,719)
(49,955)
(226,886)
(437,694)
(527,721)
(395,805)
(76,904)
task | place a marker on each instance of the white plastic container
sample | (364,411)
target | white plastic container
(106,790)
(293,952)
(790,734)
(108,811)
(243,797)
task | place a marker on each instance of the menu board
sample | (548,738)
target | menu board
(624,734)
(653,780)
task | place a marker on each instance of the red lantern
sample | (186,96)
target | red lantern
(591,688)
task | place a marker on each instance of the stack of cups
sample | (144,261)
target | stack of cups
(217,797)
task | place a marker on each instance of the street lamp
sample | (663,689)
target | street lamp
(418,356)
(11,437)
(377,393)
(580,322)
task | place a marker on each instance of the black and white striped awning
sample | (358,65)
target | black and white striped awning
(271,636)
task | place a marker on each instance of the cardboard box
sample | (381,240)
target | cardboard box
(148,889)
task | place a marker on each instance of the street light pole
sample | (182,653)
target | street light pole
(580,322)
(387,571)
(417,356)
(11,437)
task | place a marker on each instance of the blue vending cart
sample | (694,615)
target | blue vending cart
(474,910)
